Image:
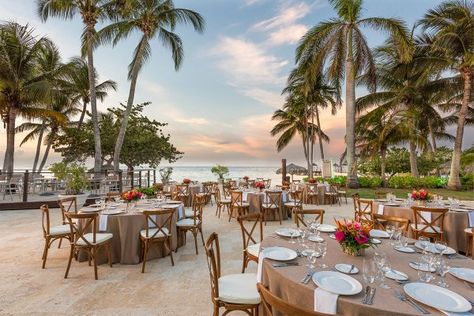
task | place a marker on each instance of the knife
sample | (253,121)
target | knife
(366,293)
(370,301)
(285,264)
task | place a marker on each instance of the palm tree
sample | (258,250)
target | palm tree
(77,85)
(452,26)
(341,44)
(153,19)
(91,12)
(23,87)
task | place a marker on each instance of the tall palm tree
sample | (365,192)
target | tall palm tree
(154,19)
(452,26)
(341,44)
(91,12)
(24,86)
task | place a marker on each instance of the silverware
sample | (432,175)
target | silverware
(366,294)
(285,264)
(402,297)
(352,268)
(370,301)
(308,275)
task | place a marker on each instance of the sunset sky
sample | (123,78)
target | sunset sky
(219,104)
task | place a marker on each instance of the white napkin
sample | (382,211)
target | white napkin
(426,216)
(470,217)
(325,302)
(380,209)
(150,223)
(103,222)
(457,314)
(261,257)
(244,196)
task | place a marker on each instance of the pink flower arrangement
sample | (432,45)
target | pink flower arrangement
(421,195)
(132,195)
(353,236)
(260,185)
(186,181)
(312,180)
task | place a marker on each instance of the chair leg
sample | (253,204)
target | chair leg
(94,258)
(195,241)
(109,254)
(230,213)
(171,251)
(60,241)
(71,254)
(202,237)
(45,252)
(279,214)
(144,255)
(244,262)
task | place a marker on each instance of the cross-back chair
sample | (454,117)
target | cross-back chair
(194,224)
(111,196)
(272,204)
(332,196)
(89,242)
(237,204)
(301,214)
(267,183)
(234,292)
(340,193)
(67,205)
(428,222)
(312,194)
(221,202)
(363,211)
(182,193)
(251,244)
(208,188)
(158,233)
(296,201)
(381,221)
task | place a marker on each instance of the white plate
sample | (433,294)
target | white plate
(376,241)
(379,233)
(431,248)
(286,232)
(392,204)
(112,212)
(437,297)
(315,238)
(404,249)
(337,283)
(326,228)
(279,253)
(332,236)
(169,206)
(417,267)
(346,268)
(173,202)
(306,252)
(91,209)
(463,274)
(396,275)
(460,210)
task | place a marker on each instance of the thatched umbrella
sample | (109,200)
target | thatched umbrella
(294,169)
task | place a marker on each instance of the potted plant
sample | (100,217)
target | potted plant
(220,171)
(165,174)
(353,237)
(74,177)
(186,181)
(148,192)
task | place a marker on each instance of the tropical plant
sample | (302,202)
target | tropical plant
(73,174)
(220,171)
(153,19)
(451,25)
(165,174)
(340,44)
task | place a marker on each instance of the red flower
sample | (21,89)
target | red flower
(361,239)
(339,236)
(260,185)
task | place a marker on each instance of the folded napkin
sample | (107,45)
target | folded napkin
(380,209)
(325,302)
(470,216)
(103,222)
(426,216)
(150,223)
(457,314)
(261,257)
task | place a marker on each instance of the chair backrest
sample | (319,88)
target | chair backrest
(233,183)
(90,222)
(112,195)
(207,187)
(182,189)
(151,217)
(311,188)
(300,215)
(247,235)
(333,188)
(199,200)
(67,205)
(272,304)
(267,183)
(381,221)
(355,199)
(45,221)
(273,199)
(297,197)
(425,224)
(226,190)
(214,264)
(364,211)
(236,198)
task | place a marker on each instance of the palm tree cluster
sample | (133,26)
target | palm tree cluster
(419,81)
(38,87)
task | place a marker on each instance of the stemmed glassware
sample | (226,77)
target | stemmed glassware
(383,266)
(443,268)
(369,271)
(293,233)
(311,255)
(441,247)
(424,243)
(322,249)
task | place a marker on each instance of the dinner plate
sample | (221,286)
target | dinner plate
(416,266)
(337,283)
(315,238)
(376,241)
(437,297)
(306,252)
(279,253)
(431,248)
(88,209)
(326,228)
(404,249)
(173,202)
(463,274)
(169,206)
(287,232)
(346,268)
(379,233)
(396,275)
(112,212)
(392,204)
(381,200)
(465,210)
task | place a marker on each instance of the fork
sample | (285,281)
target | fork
(307,276)
(402,297)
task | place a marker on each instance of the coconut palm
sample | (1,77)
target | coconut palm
(341,44)
(91,12)
(154,19)
(451,25)
(23,87)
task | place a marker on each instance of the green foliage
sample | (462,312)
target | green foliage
(165,174)
(370,182)
(220,171)
(409,182)
(149,192)
(467,159)
(73,174)
(338,180)
(467,181)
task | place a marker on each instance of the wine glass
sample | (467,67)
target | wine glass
(380,258)
(302,238)
(424,243)
(441,246)
(311,255)
(443,268)
(322,248)
(293,233)
(369,271)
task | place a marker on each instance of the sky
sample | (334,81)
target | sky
(218,106)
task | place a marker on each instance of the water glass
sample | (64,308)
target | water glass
(322,249)
(442,268)
(293,234)
(380,258)
(369,271)
(424,243)
(402,241)
(441,247)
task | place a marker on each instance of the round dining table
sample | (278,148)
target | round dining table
(126,227)
(285,282)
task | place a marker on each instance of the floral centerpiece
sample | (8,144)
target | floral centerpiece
(186,181)
(132,195)
(260,185)
(421,195)
(353,237)
(312,180)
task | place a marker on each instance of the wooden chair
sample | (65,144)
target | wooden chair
(429,226)
(221,203)
(272,204)
(296,203)
(67,205)
(312,194)
(52,233)
(273,305)
(193,224)
(226,190)
(182,193)
(300,216)
(341,193)
(237,204)
(469,232)
(89,242)
(363,211)
(267,182)
(381,221)
(112,195)
(332,196)
(207,191)
(158,233)
(251,247)
(234,292)
(197,199)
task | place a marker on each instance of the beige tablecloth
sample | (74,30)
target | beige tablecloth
(255,200)
(285,282)
(454,224)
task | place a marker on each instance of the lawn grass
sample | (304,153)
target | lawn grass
(402,193)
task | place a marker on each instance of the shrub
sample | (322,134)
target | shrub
(149,192)
(370,182)
(467,181)
(338,180)
(409,182)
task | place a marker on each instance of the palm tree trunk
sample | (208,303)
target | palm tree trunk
(352,181)
(413,163)
(306,156)
(83,114)
(434,147)
(383,153)
(454,183)
(126,115)
(312,143)
(38,146)
(46,152)
(9,162)
(95,116)
(320,134)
